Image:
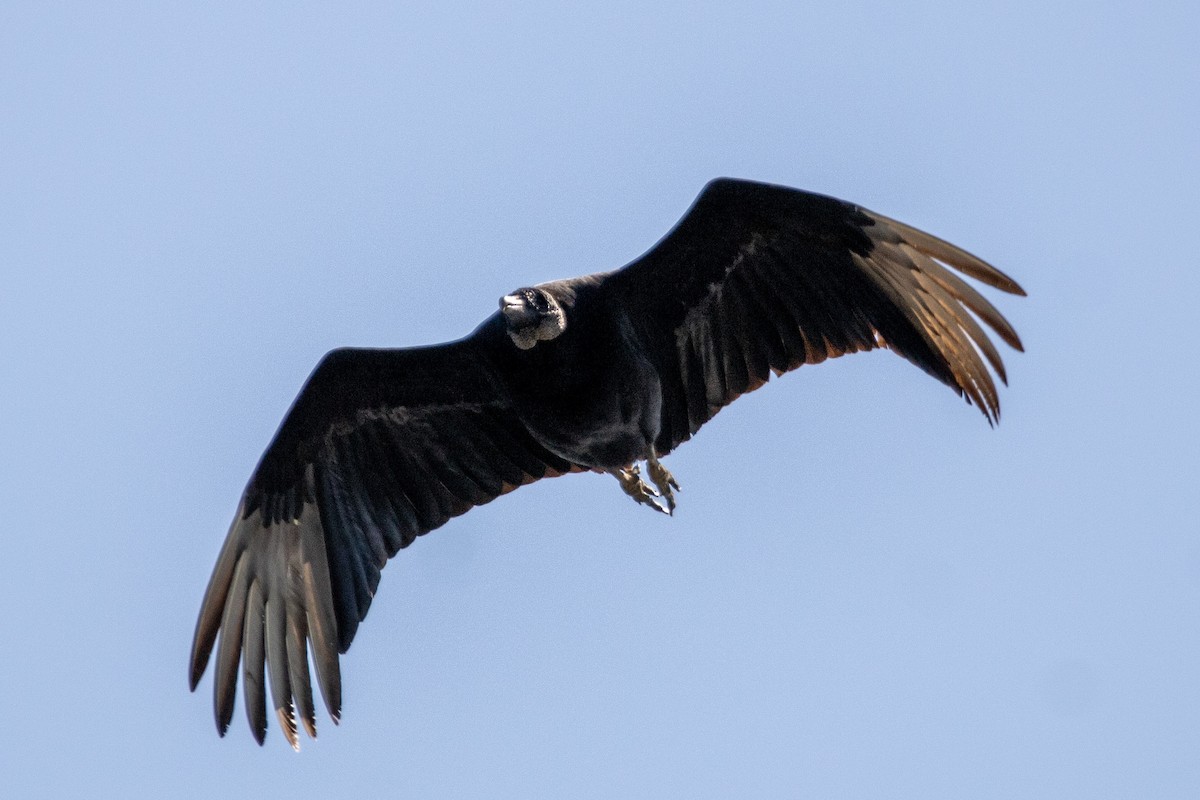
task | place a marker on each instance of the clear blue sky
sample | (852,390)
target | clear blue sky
(866,592)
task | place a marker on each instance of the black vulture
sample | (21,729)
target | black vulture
(596,373)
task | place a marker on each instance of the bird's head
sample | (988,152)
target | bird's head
(531,315)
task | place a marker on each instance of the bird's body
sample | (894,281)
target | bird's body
(602,410)
(592,373)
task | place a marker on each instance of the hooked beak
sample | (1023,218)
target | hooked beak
(516,311)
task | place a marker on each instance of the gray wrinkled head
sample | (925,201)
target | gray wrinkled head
(531,315)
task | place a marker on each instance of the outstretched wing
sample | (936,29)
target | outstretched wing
(380,447)
(759,279)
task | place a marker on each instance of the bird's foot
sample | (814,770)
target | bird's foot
(631,482)
(664,480)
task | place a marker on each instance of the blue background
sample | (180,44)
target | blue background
(865,593)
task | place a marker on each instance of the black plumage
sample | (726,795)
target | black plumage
(593,373)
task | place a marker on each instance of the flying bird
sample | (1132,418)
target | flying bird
(598,373)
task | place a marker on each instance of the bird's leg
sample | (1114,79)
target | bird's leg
(664,480)
(631,482)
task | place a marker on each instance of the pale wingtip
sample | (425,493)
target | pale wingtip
(287,723)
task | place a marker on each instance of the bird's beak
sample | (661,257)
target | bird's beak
(515,310)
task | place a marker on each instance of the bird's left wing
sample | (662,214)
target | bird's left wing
(379,447)
(758,279)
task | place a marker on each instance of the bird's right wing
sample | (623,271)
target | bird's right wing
(380,447)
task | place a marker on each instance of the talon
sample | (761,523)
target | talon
(664,480)
(632,485)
